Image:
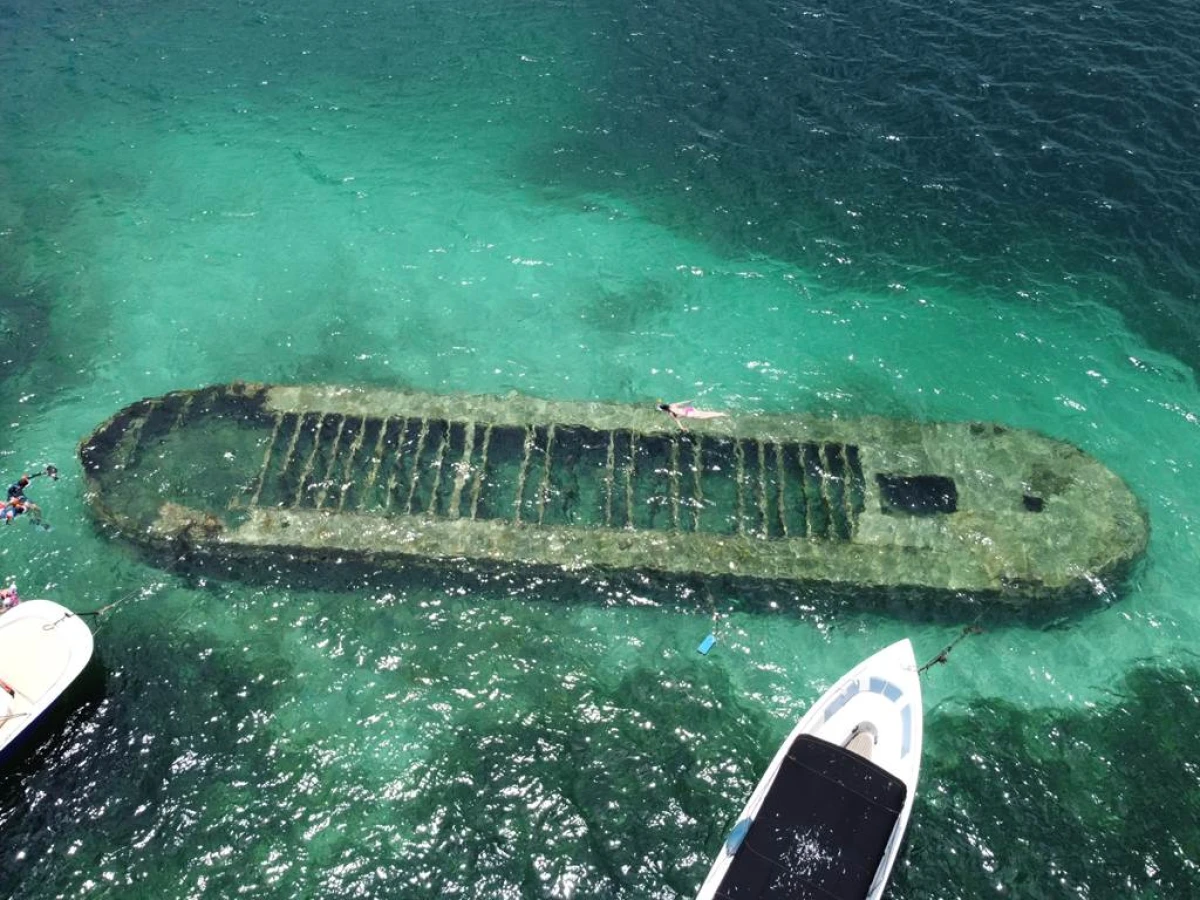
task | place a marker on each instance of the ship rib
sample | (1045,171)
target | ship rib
(480,474)
(810,469)
(348,469)
(376,459)
(829,488)
(323,490)
(523,473)
(674,476)
(698,475)
(266,463)
(389,487)
(462,470)
(835,455)
(858,486)
(764,513)
(610,477)
(439,460)
(630,474)
(184,409)
(544,488)
(127,448)
(415,479)
(781,497)
(288,457)
(312,455)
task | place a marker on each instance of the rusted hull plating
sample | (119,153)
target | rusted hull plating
(386,477)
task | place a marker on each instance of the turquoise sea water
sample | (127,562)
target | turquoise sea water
(928,210)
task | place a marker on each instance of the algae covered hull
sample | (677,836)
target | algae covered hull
(248,471)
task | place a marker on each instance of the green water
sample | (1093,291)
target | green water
(463,197)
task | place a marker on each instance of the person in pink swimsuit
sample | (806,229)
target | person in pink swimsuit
(683,409)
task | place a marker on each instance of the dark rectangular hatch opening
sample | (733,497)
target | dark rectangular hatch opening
(918,495)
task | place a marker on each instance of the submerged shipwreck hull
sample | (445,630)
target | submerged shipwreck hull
(248,471)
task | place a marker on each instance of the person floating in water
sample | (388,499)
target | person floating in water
(683,409)
(17,488)
(18,504)
(8,598)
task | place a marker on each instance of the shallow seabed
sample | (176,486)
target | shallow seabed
(916,210)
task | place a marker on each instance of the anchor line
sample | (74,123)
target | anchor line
(50,626)
(712,607)
(944,656)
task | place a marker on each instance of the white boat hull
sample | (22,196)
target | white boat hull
(43,649)
(875,712)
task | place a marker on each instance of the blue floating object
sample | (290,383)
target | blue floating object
(737,835)
(707,644)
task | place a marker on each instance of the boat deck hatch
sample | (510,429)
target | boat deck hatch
(918,495)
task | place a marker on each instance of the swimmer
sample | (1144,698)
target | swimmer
(683,409)
(18,506)
(17,488)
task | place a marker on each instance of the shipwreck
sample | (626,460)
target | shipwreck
(384,477)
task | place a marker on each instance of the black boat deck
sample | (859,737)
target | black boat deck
(822,830)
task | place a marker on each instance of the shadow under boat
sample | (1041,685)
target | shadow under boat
(248,479)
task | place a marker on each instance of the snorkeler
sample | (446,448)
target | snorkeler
(17,503)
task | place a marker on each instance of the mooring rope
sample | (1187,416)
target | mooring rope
(943,656)
(711,639)
(96,612)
